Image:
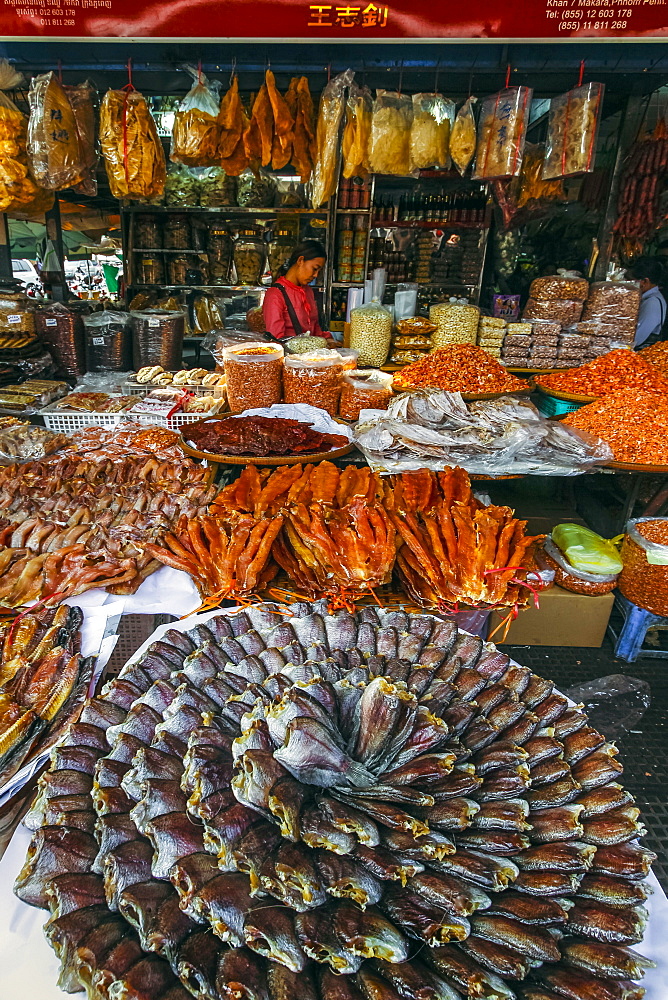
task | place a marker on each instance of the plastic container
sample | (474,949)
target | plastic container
(147,232)
(62,330)
(107,342)
(560,286)
(571,131)
(455,324)
(367,390)
(614,302)
(254,374)
(157,338)
(549,406)
(176,233)
(371,333)
(502,133)
(219,247)
(350,357)
(280,247)
(314,379)
(644,578)
(150,271)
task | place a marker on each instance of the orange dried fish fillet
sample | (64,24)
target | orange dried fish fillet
(231,119)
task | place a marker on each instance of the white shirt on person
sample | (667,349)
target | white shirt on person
(651,315)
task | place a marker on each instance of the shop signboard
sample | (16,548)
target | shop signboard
(286,19)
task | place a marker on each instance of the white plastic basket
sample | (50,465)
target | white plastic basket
(174,423)
(67,421)
(143,389)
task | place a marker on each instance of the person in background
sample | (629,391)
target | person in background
(289,306)
(648,271)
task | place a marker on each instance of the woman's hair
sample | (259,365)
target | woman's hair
(308,249)
(648,267)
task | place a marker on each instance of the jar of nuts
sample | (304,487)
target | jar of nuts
(371,333)
(254,375)
(455,323)
(314,378)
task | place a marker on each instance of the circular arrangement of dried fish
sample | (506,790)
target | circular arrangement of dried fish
(283,803)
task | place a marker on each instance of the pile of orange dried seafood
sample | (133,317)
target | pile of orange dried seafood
(81,518)
(452,548)
(340,533)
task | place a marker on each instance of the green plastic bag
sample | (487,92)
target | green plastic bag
(585,550)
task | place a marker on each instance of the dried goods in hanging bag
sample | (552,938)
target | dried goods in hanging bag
(17,188)
(357,132)
(502,133)
(53,138)
(433,117)
(196,131)
(83,99)
(571,131)
(463,136)
(132,151)
(330,114)
(391,134)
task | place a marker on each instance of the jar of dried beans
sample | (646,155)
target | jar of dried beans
(254,375)
(644,578)
(367,390)
(315,379)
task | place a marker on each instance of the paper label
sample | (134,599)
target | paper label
(51,322)
(153,321)
(98,341)
(13,319)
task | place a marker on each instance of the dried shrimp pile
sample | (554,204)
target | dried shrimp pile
(620,369)
(632,422)
(283,803)
(459,368)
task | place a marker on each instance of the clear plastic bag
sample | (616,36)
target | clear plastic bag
(463,136)
(455,323)
(330,113)
(433,117)
(132,151)
(254,375)
(357,132)
(566,311)
(17,187)
(531,187)
(391,134)
(586,551)
(644,578)
(371,333)
(181,186)
(314,378)
(196,131)
(571,131)
(612,301)
(502,133)
(256,189)
(562,285)
(83,99)
(368,390)
(53,138)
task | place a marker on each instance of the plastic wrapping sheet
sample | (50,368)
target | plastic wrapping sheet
(157,338)
(107,341)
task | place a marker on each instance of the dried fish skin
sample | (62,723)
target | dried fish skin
(350,820)
(344,879)
(547,883)
(73,891)
(223,902)
(499,959)
(603,959)
(560,823)
(630,861)
(269,931)
(197,963)
(455,814)
(490,873)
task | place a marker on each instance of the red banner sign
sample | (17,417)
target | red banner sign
(285,19)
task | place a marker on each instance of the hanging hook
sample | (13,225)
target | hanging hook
(582,70)
(507,75)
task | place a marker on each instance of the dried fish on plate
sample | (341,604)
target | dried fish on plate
(269,805)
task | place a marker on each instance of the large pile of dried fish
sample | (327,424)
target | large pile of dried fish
(286,804)
(43,682)
(81,519)
(505,436)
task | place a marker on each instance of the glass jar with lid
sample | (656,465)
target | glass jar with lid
(147,234)
(279,250)
(219,247)
(177,269)
(176,233)
(249,256)
(149,270)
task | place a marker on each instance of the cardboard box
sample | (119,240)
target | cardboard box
(563,619)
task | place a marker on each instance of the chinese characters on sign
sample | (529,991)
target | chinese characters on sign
(328,16)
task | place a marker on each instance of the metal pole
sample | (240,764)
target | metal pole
(628,129)
(5,249)
(54,233)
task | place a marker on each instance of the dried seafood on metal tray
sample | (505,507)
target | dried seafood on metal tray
(261,807)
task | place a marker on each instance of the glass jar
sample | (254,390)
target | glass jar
(280,248)
(177,269)
(220,254)
(249,256)
(177,233)
(149,271)
(148,234)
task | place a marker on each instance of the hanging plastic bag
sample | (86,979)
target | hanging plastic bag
(463,136)
(357,133)
(83,98)
(16,186)
(530,183)
(132,151)
(330,113)
(196,132)
(571,131)
(433,117)
(53,138)
(502,133)
(391,134)
(585,550)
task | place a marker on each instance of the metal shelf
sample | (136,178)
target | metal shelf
(220,210)
(422,224)
(204,288)
(165,250)
(353,211)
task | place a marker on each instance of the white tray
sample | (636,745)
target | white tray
(67,421)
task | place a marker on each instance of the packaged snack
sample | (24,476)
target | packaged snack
(433,117)
(196,131)
(256,189)
(157,338)
(216,189)
(566,311)
(16,186)
(357,132)
(415,326)
(330,114)
(571,131)
(371,333)
(612,301)
(563,285)
(62,329)
(107,342)
(314,379)
(531,187)
(390,134)
(132,151)
(422,343)
(368,390)
(53,138)
(83,98)
(502,133)
(455,323)
(463,136)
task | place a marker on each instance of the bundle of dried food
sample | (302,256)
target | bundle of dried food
(462,368)
(330,114)
(24,442)
(43,683)
(571,131)
(357,132)
(454,549)
(57,159)
(196,131)
(268,137)
(300,103)
(17,188)
(83,98)
(504,119)
(284,802)
(433,117)
(620,369)
(233,123)
(463,137)
(284,125)
(132,151)
(391,122)
(499,437)
(260,436)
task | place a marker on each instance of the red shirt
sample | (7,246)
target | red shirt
(275,311)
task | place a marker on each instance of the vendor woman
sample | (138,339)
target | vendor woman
(289,306)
